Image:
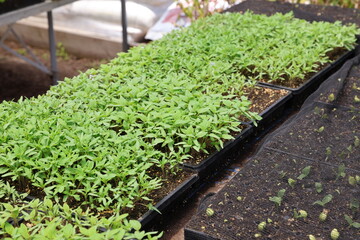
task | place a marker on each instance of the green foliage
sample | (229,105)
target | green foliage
(351,222)
(354,180)
(354,204)
(262,226)
(291,182)
(320,129)
(318,187)
(334,234)
(323,215)
(300,214)
(341,171)
(278,198)
(286,50)
(304,173)
(48,220)
(95,140)
(324,201)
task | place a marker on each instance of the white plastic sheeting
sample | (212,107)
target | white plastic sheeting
(92,28)
(103,17)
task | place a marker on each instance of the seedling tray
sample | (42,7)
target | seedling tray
(220,158)
(303,91)
(272,113)
(152,217)
(195,235)
(169,202)
(257,182)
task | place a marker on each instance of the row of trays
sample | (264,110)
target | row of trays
(240,144)
(202,172)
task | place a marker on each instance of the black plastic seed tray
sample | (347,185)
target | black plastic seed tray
(168,203)
(221,158)
(301,93)
(273,113)
(195,235)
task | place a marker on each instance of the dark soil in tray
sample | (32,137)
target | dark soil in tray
(169,184)
(302,11)
(330,135)
(261,98)
(293,84)
(349,94)
(244,202)
(306,12)
(307,166)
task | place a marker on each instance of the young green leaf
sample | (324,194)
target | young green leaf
(304,173)
(324,201)
(351,222)
(318,187)
(279,198)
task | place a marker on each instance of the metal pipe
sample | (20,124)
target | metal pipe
(52,47)
(124,26)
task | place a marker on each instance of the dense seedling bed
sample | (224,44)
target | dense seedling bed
(95,141)
(278,48)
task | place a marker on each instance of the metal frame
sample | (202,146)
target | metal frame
(11,17)
(124,26)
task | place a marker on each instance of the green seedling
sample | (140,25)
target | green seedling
(304,173)
(354,204)
(323,215)
(282,174)
(261,226)
(300,214)
(257,235)
(350,221)
(239,198)
(324,201)
(209,212)
(355,87)
(352,181)
(341,171)
(331,97)
(312,237)
(328,153)
(318,187)
(48,220)
(320,129)
(95,140)
(356,99)
(291,182)
(334,234)
(278,198)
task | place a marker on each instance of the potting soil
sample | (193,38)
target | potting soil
(304,181)
(307,12)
